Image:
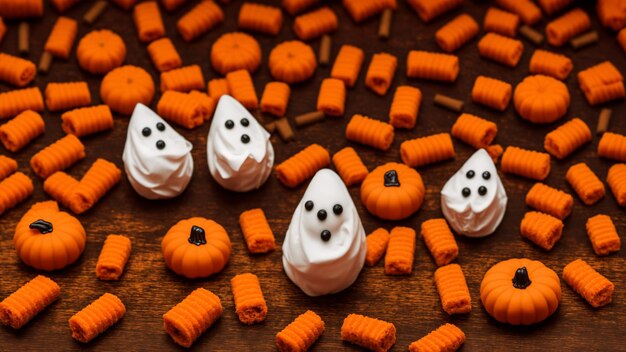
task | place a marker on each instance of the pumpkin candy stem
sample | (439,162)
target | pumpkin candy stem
(42,226)
(391,179)
(197,235)
(521,279)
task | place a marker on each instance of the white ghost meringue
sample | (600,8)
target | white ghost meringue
(317,261)
(239,151)
(157,159)
(474,214)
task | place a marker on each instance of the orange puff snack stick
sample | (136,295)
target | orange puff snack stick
(257,231)
(525,9)
(332,97)
(586,184)
(566,138)
(567,26)
(97,181)
(612,14)
(475,131)
(63,5)
(360,10)
(501,22)
(62,37)
(207,104)
(550,7)
(428,9)
(181,109)
(293,7)
(601,83)
(300,334)
(453,290)
(182,79)
(603,234)
(550,200)
(3,29)
(13,190)
(171,5)
(371,333)
(612,146)
(148,21)
(542,229)
(113,258)
(495,151)
(235,51)
(377,242)
(97,317)
(250,304)
(16,71)
(100,51)
(525,163)
(202,18)
(57,156)
(550,64)
(349,166)
(427,150)
(400,251)
(404,107)
(275,98)
(28,301)
(18,132)
(64,96)
(7,166)
(164,55)
(440,241)
(60,186)
(616,179)
(303,165)
(456,33)
(217,87)
(189,319)
(16,101)
(492,92)
(501,49)
(125,4)
(21,9)
(315,23)
(241,88)
(432,66)
(85,121)
(260,18)
(380,73)
(347,64)
(595,288)
(368,131)
(447,337)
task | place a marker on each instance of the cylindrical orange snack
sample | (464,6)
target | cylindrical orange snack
(256,231)
(148,22)
(16,71)
(63,5)
(456,33)
(164,55)
(404,107)
(567,26)
(100,51)
(432,66)
(57,156)
(21,9)
(275,98)
(204,16)
(495,151)
(440,241)
(124,87)
(611,14)
(501,22)
(602,83)
(616,179)
(492,92)
(16,101)
(85,121)
(13,190)
(301,333)
(113,257)
(125,4)
(7,166)
(182,79)
(427,150)
(171,5)
(250,304)
(303,165)
(525,163)
(377,242)
(541,99)
(97,181)
(550,200)
(371,333)
(97,317)
(595,288)
(475,131)
(62,37)
(525,9)
(292,61)
(566,138)
(447,337)
(29,300)
(400,251)
(550,7)
(428,9)
(550,64)
(542,229)
(453,290)
(586,184)
(603,234)
(612,146)
(207,104)
(241,88)
(380,72)
(3,29)
(332,97)
(347,64)
(217,87)
(315,23)
(360,10)
(501,49)
(260,18)
(368,131)
(349,166)
(181,109)
(21,130)
(235,51)
(65,96)
(293,7)
(60,186)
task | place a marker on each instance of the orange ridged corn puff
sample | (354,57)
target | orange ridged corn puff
(171,5)
(275,98)
(57,156)
(21,9)
(377,242)
(207,104)
(182,79)
(125,4)
(348,64)
(16,101)
(501,49)
(550,64)
(542,229)
(601,83)
(241,88)
(7,166)
(440,241)
(97,181)
(371,333)
(427,150)
(148,21)
(380,73)
(217,87)
(257,231)
(612,13)
(18,132)
(303,165)
(616,179)
(97,317)
(368,131)
(447,338)
(301,333)
(28,301)
(316,23)
(63,5)
(65,96)
(16,71)
(13,190)
(85,121)
(3,29)
(190,318)
(260,18)
(603,234)
(332,97)
(492,92)
(404,107)
(501,22)
(432,66)
(250,304)
(621,38)
(453,290)
(360,10)
(525,9)
(525,163)
(456,33)
(400,251)
(550,200)
(293,7)
(595,288)
(429,9)
(586,184)
(550,7)
(164,55)
(62,37)
(475,131)
(60,186)
(349,166)
(202,18)
(612,146)
(495,151)
(566,138)
(181,109)
(113,258)
(567,26)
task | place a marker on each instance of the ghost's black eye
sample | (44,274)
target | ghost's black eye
(245,139)
(325,235)
(160,126)
(337,209)
(482,190)
(308,205)
(486,175)
(470,174)
(160,144)
(321,214)
(244,122)
(466,192)
(146,131)
(229,124)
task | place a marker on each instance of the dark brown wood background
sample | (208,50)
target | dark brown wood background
(149,289)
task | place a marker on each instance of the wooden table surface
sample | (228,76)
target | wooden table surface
(149,289)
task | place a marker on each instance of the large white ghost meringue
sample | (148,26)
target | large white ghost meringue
(157,159)
(474,200)
(324,249)
(239,151)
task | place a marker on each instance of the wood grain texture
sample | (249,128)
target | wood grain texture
(149,289)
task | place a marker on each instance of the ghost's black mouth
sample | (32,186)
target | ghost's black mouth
(325,235)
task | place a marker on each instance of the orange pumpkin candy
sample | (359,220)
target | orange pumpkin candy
(49,239)
(520,291)
(393,191)
(196,247)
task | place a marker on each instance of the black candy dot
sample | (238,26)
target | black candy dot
(146,132)
(337,209)
(245,122)
(466,192)
(229,124)
(482,190)
(160,144)
(325,235)
(486,175)
(470,174)
(160,126)
(321,214)
(308,205)
(245,139)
